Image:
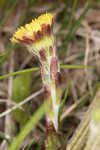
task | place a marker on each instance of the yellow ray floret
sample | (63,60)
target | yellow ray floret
(33,27)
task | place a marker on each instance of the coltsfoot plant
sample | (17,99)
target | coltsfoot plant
(39,39)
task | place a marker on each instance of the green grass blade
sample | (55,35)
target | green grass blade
(72,14)
(10,47)
(18,72)
(29,126)
(2,3)
(73,31)
(63,101)
(4,57)
(8,12)
(37,68)
(75,67)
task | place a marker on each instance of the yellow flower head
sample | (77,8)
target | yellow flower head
(34,31)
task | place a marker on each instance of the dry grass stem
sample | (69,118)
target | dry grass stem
(21,103)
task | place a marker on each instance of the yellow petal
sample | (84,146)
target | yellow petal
(33,27)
